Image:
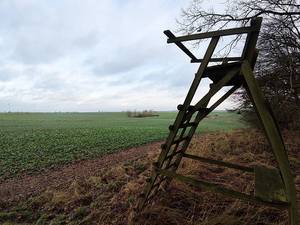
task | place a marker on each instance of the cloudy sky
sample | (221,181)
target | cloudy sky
(108,55)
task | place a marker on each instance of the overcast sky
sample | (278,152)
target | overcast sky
(91,55)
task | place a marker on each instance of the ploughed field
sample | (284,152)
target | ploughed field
(32,141)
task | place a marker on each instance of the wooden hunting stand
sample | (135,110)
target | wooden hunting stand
(273,187)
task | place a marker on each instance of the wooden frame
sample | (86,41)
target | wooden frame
(237,73)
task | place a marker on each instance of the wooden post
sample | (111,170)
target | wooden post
(275,139)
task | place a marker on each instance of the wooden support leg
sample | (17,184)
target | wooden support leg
(275,139)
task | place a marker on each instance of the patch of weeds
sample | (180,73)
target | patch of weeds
(131,199)
(115,172)
(95,181)
(115,186)
(4,216)
(14,216)
(59,198)
(43,219)
(79,213)
(79,187)
(38,201)
(139,167)
(224,220)
(59,220)
(128,163)
(85,200)
(92,217)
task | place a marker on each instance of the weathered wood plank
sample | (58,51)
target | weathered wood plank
(222,190)
(211,34)
(226,59)
(219,163)
(249,50)
(268,184)
(169,34)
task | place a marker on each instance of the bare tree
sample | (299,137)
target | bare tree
(239,13)
(278,65)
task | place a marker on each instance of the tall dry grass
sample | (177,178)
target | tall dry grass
(184,204)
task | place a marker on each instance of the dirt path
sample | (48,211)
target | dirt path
(24,186)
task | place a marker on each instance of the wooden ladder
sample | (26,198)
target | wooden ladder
(234,72)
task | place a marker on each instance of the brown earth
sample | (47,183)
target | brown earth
(26,185)
(105,190)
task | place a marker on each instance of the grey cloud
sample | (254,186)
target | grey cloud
(118,59)
(76,55)
(50,84)
(6,75)
(88,40)
(114,67)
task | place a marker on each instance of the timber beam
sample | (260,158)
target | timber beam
(199,36)
(219,163)
(223,190)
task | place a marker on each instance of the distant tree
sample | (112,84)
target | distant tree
(144,113)
(278,65)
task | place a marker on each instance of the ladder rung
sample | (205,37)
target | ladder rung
(191,108)
(156,185)
(202,110)
(218,59)
(191,124)
(177,141)
(162,179)
(180,107)
(183,125)
(158,182)
(173,154)
(171,127)
(152,193)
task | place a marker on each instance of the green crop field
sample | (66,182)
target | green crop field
(31,141)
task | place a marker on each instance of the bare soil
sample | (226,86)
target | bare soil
(27,185)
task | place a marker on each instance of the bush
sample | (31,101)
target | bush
(145,113)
